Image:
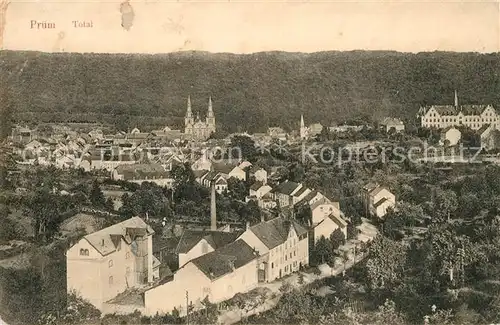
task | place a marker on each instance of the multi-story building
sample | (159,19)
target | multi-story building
(472,116)
(282,245)
(107,262)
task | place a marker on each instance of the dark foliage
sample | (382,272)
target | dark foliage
(250,92)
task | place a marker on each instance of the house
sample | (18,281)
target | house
(322,208)
(314,129)
(378,199)
(107,262)
(488,137)
(258,189)
(390,123)
(208,177)
(277,133)
(283,193)
(260,175)
(328,225)
(282,245)
(267,201)
(245,164)
(139,173)
(217,275)
(229,170)
(472,116)
(195,243)
(450,136)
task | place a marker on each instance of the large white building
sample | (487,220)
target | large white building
(472,116)
(107,262)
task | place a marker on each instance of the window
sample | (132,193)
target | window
(110,280)
(110,263)
(294,253)
(272,265)
(286,268)
(285,257)
(290,254)
(84,252)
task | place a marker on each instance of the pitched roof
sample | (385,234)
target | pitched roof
(142,171)
(308,197)
(226,259)
(377,190)
(274,232)
(286,187)
(483,129)
(319,202)
(370,187)
(380,202)
(106,240)
(339,221)
(255,186)
(300,191)
(216,239)
(225,168)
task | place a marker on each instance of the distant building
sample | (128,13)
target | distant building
(450,136)
(197,129)
(390,123)
(139,173)
(378,200)
(107,262)
(489,137)
(471,116)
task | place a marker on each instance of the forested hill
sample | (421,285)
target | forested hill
(250,92)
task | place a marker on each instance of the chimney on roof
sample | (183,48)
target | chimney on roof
(213,212)
(102,242)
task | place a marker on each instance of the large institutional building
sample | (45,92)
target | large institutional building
(197,129)
(472,116)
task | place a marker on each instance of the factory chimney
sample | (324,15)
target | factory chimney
(213,212)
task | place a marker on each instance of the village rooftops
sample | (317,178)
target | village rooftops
(142,171)
(275,231)
(466,110)
(370,187)
(286,187)
(106,240)
(255,186)
(214,238)
(224,168)
(226,259)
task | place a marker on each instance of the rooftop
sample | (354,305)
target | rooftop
(215,238)
(275,231)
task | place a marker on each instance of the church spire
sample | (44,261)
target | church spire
(210,109)
(302,125)
(189,113)
(456,98)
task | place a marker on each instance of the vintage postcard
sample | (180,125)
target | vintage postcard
(249,162)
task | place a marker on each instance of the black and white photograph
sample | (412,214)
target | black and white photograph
(257,163)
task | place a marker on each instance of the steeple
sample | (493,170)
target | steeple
(197,116)
(456,98)
(303,129)
(189,113)
(210,113)
(302,125)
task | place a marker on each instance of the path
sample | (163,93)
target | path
(235,314)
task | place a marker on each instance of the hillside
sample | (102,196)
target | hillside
(250,92)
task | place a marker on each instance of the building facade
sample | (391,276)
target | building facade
(196,129)
(107,262)
(472,116)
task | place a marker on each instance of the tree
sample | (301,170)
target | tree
(337,238)
(243,145)
(322,251)
(96,196)
(303,214)
(385,268)
(237,188)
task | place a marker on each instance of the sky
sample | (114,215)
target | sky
(254,26)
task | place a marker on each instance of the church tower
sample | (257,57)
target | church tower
(189,120)
(210,120)
(303,130)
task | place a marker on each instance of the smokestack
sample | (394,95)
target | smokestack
(213,212)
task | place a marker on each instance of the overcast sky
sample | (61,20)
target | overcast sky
(244,27)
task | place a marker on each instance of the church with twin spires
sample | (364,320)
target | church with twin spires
(196,129)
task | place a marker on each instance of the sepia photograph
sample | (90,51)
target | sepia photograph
(246,162)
